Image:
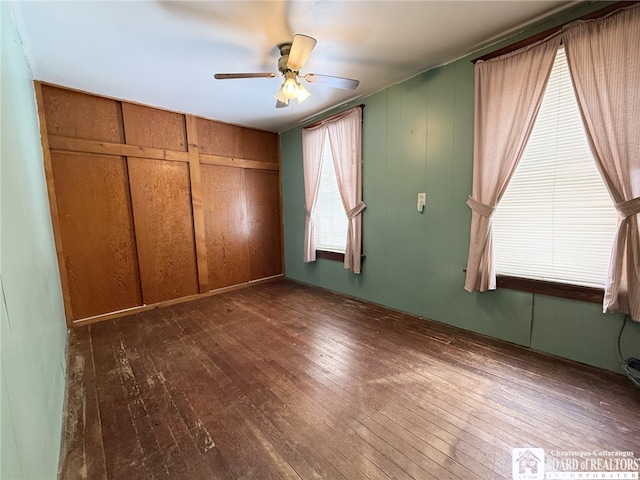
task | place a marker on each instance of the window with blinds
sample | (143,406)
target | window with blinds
(556,220)
(330,220)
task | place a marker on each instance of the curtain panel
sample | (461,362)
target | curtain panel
(345,137)
(312,142)
(604,63)
(508,93)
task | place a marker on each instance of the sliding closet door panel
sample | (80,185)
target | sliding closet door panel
(151,127)
(164,228)
(92,196)
(263,215)
(82,116)
(226,230)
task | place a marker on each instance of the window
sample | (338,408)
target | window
(330,219)
(556,220)
(333,221)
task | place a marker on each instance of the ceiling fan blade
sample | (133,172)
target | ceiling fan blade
(335,82)
(229,76)
(280,104)
(301,48)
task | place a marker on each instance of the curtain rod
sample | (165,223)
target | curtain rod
(335,115)
(542,35)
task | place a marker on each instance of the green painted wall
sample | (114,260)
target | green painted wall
(418,137)
(33,326)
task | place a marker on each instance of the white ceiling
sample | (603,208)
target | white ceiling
(164,53)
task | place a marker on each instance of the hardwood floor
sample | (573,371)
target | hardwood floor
(282,380)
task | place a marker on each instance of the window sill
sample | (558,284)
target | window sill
(554,289)
(337,256)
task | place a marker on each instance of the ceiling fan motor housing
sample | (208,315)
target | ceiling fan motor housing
(285,48)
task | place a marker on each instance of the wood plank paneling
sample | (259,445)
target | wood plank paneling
(53,206)
(69,144)
(217,138)
(237,162)
(222,139)
(226,229)
(160,201)
(263,219)
(97,233)
(258,144)
(196,204)
(164,228)
(152,127)
(83,116)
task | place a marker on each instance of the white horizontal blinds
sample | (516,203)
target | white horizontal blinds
(556,220)
(330,221)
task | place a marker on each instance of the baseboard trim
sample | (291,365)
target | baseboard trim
(142,308)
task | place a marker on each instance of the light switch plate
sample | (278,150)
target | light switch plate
(422,200)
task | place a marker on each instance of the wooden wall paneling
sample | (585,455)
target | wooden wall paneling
(226,229)
(53,206)
(160,195)
(180,199)
(237,162)
(216,138)
(96,231)
(69,144)
(240,143)
(196,204)
(281,207)
(263,218)
(259,145)
(152,127)
(80,115)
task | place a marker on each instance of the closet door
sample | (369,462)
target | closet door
(226,230)
(94,209)
(263,221)
(161,199)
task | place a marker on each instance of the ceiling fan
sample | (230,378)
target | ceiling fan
(292,57)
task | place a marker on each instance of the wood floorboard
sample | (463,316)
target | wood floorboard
(242,365)
(503,397)
(312,410)
(376,430)
(85,452)
(377,407)
(286,381)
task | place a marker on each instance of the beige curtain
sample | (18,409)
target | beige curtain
(312,142)
(604,60)
(345,137)
(508,93)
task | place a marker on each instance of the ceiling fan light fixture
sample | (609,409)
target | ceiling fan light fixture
(302,94)
(281,97)
(290,86)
